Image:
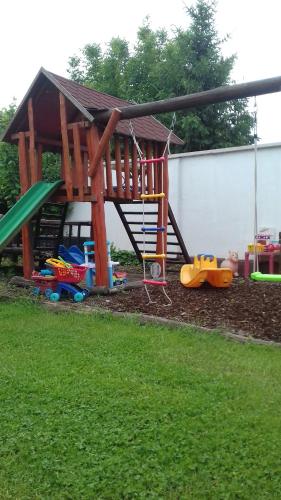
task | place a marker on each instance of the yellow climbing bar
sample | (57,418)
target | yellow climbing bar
(153,255)
(148,196)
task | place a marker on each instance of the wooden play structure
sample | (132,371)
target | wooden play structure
(99,159)
(99,162)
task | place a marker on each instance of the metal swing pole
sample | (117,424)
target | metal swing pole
(256,258)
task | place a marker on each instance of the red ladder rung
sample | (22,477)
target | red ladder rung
(153,282)
(152,160)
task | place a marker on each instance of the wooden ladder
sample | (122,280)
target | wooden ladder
(131,217)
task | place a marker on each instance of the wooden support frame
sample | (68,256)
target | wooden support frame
(98,214)
(27,250)
(65,144)
(108,132)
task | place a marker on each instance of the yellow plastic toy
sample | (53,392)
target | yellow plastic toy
(58,263)
(205,268)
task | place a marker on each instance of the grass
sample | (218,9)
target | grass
(95,407)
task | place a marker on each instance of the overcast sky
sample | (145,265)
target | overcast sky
(35,34)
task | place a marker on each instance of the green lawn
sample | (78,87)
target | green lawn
(93,407)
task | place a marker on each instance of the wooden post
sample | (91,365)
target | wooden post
(163,205)
(78,161)
(135,174)
(39,162)
(32,151)
(149,169)
(27,247)
(65,144)
(127,169)
(155,169)
(118,168)
(23,164)
(110,192)
(98,214)
(85,169)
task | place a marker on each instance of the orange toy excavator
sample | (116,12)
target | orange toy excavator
(205,268)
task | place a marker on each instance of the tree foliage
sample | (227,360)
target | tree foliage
(162,66)
(9,168)
(9,176)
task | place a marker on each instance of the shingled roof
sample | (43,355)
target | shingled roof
(88,101)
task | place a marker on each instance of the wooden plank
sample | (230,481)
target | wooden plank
(107,134)
(118,168)
(65,144)
(109,185)
(149,169)
(98,214)
(128,193)
(39,162)
(78,161)
(135,175)
(32,152)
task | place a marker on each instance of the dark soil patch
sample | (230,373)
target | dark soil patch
(248,307)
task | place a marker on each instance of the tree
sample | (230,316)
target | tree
(9,177)
(9,164)
(160,66)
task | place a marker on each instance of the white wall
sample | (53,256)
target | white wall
(212,196)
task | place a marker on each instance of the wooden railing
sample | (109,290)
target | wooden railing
(78,146)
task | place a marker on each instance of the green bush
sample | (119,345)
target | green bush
(124,257)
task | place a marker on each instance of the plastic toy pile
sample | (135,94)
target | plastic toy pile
(60,278)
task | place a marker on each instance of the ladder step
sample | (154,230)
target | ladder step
(145,229)
(152,160)
(141,232)
(140,213)
(153,256)
(153,282)
(148,196)
(134,222)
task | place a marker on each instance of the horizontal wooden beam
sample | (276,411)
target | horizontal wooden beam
(46,141)
(213,96)
(84,124)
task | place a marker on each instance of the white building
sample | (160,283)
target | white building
(212,196)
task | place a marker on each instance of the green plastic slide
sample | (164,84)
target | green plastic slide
(24,210)
(257,276)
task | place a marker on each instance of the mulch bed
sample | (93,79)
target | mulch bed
(246,307)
